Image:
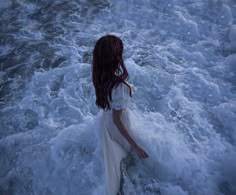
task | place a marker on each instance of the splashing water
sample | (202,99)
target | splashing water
(181,56)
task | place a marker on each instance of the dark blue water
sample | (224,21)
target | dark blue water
(181,56)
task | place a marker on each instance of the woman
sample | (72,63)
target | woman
(112,95)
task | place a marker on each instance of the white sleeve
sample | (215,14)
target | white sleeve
(120,97)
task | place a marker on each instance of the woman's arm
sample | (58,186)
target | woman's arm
(116,115)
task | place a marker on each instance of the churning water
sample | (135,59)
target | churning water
(181,56)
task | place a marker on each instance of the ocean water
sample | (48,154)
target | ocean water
(181,56)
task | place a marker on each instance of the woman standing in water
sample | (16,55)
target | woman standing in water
(112,95)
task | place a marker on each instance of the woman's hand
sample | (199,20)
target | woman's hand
(140,152)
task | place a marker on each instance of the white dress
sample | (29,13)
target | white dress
(115,145)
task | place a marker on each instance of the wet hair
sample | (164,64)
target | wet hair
(108,69)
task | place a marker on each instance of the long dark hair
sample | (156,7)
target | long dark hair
(108,69)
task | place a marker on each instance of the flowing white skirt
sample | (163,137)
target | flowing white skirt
(115,148)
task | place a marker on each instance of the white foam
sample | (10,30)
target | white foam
(180,56)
